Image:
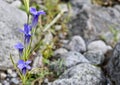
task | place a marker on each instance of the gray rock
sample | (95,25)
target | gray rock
(6,82)
(46,81)
(113,67)
(57,67)
(73,58)
(10,20)
(108,37)
(9,71)
(59,52)
(3,76)
(91,21)
(38,61)
(14,74)
(48,38)
(58,27)
(95,57)
(15,81)
(99,45)
(77,44)
(63,7)
(75,2)
(64,41)
(9,1)
(16,4)
(82,74)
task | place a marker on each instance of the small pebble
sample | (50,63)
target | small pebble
(63,7)
(99,45)
(77,43)
(60,51)
(58,27)
(15,81)
(6,82)
(46,80)
(14,74)
(3,76)
(9,71)
(0,83)
(7,78)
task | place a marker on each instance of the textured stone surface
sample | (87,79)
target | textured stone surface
(113,67)
(82,74)
(9,1)
(99,45)
(92,22)
(95,57)
(80,1)
(16,4)
(73,58)
(10,20)
(77,44)
(15,81)
(59,52)
(2,76)
(38,61)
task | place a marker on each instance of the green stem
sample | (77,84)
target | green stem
(28,18)
(24,80)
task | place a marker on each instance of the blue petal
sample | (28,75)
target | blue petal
(33,11)
(20,62)
(19,46)
(35,21)
(41,12)
(24,70)
(21,31)
(28,67)
(20,66)
(28,62)
(27,38)
(26,28)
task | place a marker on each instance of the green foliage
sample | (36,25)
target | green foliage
(37,75)
(115,33)
(26,4)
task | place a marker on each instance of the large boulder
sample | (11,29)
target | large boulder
(11,20)
(82,74)
(113,67)
(94,22)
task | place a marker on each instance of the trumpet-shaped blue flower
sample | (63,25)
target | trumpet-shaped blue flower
(24,66)
(36,15)
(26,32)
(20,47)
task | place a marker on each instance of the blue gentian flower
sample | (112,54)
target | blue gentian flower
(36,15)
(20,47)
(26,32)
(24,66)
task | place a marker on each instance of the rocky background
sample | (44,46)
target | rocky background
(90,54)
